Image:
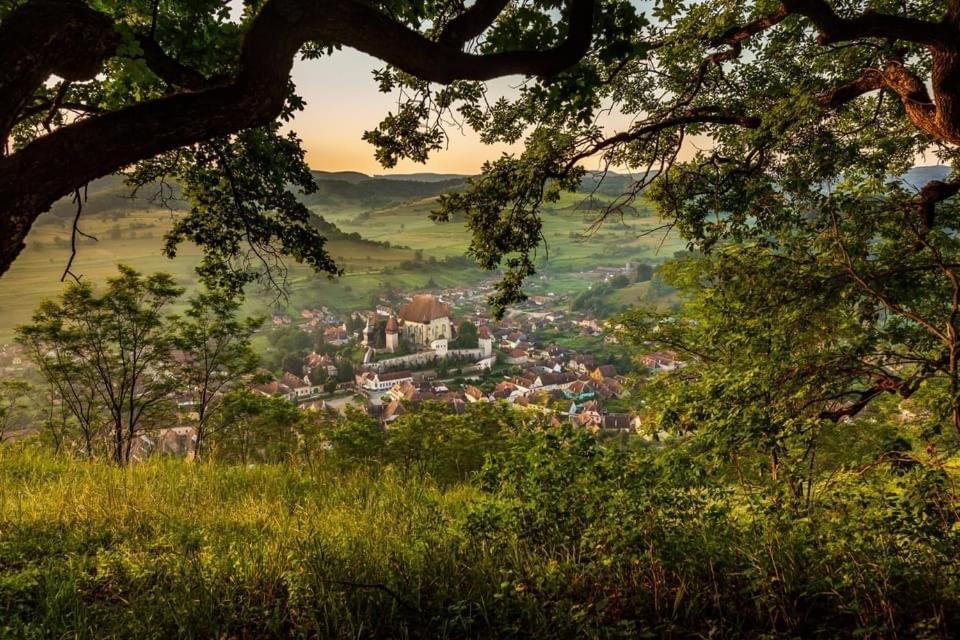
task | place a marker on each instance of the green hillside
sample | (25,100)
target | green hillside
(374,226)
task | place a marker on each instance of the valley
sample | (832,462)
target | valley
(384,230)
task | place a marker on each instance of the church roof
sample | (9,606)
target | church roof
(424,308)
(392,325)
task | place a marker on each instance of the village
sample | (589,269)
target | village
(422,350)
(441,347)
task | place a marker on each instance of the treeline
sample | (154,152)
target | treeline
(430,441)
(596,299)
(421,262)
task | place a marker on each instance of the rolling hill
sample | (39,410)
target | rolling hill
(374,224)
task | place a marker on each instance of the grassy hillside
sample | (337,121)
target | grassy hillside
(380,210)
(561,539)
(568,246)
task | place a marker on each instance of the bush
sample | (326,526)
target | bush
(559,536)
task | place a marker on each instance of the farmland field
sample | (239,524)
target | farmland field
(132,233)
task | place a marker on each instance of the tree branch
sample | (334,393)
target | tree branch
(870,24)
(56,164)
(169,70)
(869,80)
(697,116)
(472,22)
(32,50)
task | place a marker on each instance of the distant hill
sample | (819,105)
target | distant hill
(919,176)
(608,183)
(422,177)
(109,196)
(109,199)
(359,190)
(353,177)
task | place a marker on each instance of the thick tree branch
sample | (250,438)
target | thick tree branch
(169,70)
(472,22)
(737,34)
(31,50)
(833,28)
(869,80)
(55,165)
(884,384)
(698,116)
(932,194)
(939,118)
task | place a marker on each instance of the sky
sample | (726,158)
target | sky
(343,101)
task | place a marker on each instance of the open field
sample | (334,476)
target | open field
(36,274)
(135,237)
(568,247)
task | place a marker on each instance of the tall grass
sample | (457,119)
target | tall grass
(169,548)
(569,543)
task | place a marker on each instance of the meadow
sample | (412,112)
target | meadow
(558,537)
(131,232)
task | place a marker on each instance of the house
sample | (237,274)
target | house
(660,361)
(404,390)
(589,417)
(376,381)
(582,364)
(486,364)
(554,380)
(473,394)
(300,388)
(315,361)
(275,389)
(514,339)
(173,441)
(289,387)
(516,356)
(394,410)
(522,383)
(604,371)
(336,336)
(12,358)
(618,422)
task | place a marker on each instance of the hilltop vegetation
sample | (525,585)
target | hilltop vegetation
(559,536)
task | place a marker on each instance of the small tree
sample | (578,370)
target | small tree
(214,352)
(356,440)
(255,428)
(467,336)
(13,393)
(344,370)
(108,351)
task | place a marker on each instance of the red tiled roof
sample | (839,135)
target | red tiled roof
(392,325)
(424,308)
(395,375)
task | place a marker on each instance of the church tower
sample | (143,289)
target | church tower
(392,335)
(486,342)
